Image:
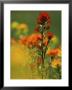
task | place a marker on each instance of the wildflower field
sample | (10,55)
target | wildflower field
(35,45)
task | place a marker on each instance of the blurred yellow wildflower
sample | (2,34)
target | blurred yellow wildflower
(54,40)
(22,26)
(55,63)
(14,25)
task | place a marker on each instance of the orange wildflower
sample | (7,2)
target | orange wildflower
(53,52)
(23,40)
(33,39)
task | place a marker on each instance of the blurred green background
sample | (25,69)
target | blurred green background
(30,18)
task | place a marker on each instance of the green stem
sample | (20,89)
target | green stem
(42,48)
(50,69)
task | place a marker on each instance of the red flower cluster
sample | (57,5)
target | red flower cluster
(31,40)
(43,17)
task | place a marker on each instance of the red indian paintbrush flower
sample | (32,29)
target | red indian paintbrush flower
(43,17)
